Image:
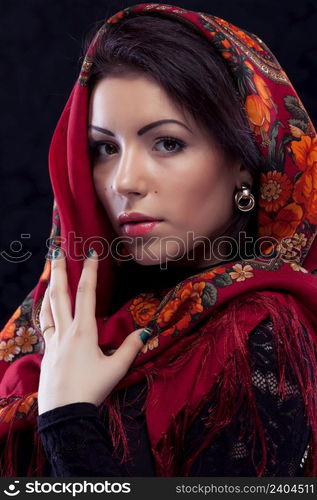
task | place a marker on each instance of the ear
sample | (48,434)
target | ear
(243,176)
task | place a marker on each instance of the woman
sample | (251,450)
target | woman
(196,363)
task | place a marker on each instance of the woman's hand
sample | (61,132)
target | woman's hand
(74,368)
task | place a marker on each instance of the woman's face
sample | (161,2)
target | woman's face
(150,157)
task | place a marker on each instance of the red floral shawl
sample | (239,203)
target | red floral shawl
(202,325)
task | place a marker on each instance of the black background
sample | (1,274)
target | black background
(40,45)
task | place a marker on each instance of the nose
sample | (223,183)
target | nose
(130,178)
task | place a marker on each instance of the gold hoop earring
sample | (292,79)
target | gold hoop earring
(244,198)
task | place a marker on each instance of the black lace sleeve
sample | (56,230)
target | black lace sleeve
(286,431)
(75,442)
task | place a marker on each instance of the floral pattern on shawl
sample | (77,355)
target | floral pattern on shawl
(188,300)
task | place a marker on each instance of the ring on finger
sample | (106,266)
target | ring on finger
(46,328)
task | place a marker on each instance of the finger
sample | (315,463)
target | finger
(129,348)
(46,317)
(85,306)
(58,293)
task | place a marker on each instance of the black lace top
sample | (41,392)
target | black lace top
(77,443)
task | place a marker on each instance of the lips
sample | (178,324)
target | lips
(139,228)
(135,217)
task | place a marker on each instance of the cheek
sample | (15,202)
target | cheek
(217,204)
(102,188)
(98,180)
(101,183)
(205,197)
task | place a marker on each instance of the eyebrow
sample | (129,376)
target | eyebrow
(142,130)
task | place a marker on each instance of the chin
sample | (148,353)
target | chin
(156,255)
(147,262)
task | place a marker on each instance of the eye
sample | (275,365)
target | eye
(100,148)
(170,145)
(103,150)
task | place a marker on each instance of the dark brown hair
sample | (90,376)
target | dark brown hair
(194,76)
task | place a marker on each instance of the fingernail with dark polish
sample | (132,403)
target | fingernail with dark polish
(146,334)
(55,253)
(90,252)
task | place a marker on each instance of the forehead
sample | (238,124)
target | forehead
(135,95)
